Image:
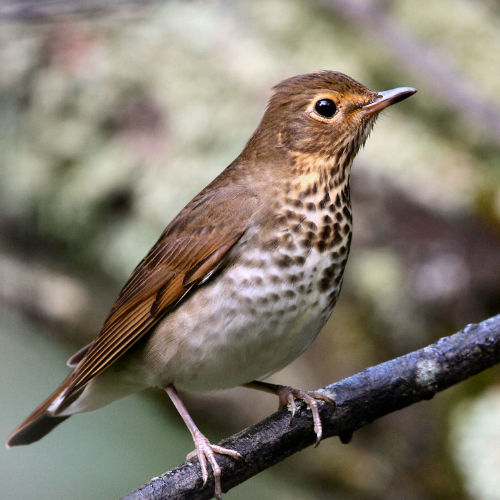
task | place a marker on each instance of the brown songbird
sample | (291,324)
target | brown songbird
(242,280)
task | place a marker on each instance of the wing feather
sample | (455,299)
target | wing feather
(192,246)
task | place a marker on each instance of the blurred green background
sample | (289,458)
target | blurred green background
(114,115)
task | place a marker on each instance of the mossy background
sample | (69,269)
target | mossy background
(113,116)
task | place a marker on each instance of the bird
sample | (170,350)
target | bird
(242,280)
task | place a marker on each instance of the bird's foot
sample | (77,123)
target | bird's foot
(205,451)
(288,395)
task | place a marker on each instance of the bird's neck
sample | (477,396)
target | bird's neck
(282,172)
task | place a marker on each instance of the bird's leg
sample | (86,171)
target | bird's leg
(287,396)
(204,449)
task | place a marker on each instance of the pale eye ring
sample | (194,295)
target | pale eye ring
(325,108)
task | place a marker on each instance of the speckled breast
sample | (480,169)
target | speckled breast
(270,302)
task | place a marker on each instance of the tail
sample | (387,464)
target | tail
(40,422)
(32,430)
(65,401)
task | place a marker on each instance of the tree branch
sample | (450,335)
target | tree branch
(36,11)
(360,399)
(426,62)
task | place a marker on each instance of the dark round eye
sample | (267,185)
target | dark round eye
(325,108)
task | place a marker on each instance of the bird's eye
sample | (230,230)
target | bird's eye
(325,108)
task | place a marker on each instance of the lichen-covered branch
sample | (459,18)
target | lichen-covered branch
(426,62)
(360,399)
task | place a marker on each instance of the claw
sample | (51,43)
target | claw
(206,451)
(287,395)
(293,406)
(286,399)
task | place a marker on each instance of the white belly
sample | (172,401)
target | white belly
(240,327)
(259,313)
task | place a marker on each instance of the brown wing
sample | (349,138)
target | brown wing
(191,246)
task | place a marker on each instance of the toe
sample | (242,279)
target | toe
(203,464)
(205,451)
(311,399)
(217,475)
(226,451)
(322,397)
(293,406)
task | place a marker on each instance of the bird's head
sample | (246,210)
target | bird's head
(324,114)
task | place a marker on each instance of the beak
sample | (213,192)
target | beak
(388,97)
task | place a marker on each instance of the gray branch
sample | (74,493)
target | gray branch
(361,399)
(36,11)
(426,62)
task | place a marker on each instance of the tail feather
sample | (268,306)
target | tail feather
(66,401)
(34,430)
(40,422)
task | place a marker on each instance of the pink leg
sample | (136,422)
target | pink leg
(203,448)
(287,395)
